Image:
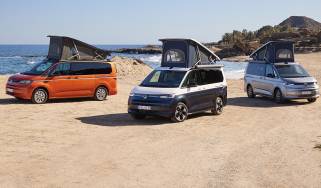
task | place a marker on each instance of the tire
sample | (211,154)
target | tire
(311,100)
(101,93)
(138,116)
(278,97)
(250,92)
(218,106)
(39,96)
(180,113)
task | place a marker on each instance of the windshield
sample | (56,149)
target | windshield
(164,78)
(291,71)
(39,68)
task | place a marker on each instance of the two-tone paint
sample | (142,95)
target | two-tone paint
(163,101)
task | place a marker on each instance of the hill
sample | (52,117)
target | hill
(301,22)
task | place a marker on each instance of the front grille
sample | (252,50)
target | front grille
(307,84)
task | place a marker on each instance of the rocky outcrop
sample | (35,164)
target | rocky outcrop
(149,49)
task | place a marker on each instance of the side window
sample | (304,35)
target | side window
(88,68)
(257,69)
(62,69)
(260,71)
(270,71)
(79,69)
(192,77)
(101,68)
(251,68)
(211,76)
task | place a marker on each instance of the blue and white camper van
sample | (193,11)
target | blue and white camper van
(189,81)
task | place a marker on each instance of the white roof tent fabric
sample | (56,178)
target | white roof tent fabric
(275,52)
(66,48)
(186,53)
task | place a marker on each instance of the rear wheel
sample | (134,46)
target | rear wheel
(312,100)
(278,97)
(138,116)
(39,96)
(250,92)
(218,106)
(181,113)
(101,93)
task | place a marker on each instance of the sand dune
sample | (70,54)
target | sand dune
(85,143)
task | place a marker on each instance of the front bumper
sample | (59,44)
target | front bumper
(23,92)
(301,94)
(164,108)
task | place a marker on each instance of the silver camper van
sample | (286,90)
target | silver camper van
(274,73)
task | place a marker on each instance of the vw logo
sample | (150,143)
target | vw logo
(145,97)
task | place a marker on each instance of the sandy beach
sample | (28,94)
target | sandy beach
(86,143)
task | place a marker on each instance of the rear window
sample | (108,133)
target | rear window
(257,69)
(88,68)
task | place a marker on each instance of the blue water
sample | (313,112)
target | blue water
(20,58)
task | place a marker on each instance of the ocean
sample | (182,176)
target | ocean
(20,58)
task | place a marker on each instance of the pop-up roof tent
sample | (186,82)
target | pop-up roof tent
(186,53)
(66,48)
(275,52)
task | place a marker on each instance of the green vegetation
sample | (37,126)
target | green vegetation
(305,32)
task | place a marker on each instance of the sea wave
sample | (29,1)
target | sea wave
(11,57)
(153,58)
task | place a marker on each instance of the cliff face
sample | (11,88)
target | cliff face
(301,22)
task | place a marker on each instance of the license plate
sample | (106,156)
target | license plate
(10,90)
(306,92)
(143,107)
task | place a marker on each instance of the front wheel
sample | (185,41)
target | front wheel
(39,96)
(181,113)
(218,106)
(278,97)
(250,92)
(101,93)
(312,100)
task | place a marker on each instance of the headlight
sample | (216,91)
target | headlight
(132,94)
(26,82)
(289,84)
(169,96)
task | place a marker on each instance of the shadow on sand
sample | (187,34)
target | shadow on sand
(11,101)
(262,102)
(124,119)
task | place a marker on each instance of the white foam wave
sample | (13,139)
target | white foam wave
(31,62)
(153,58)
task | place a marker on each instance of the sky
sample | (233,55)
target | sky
(141,21)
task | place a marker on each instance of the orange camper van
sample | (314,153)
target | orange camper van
(72,69)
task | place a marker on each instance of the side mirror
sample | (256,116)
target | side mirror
(270,75)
